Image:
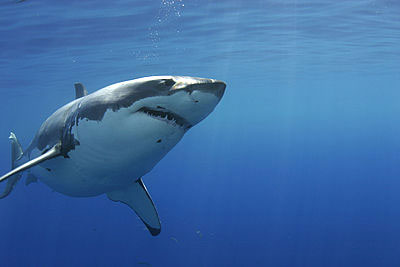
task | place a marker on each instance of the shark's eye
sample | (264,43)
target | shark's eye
(168,82)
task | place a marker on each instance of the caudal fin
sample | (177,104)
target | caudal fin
(16,150)
(16,154)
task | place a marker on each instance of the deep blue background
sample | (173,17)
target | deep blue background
(297,166)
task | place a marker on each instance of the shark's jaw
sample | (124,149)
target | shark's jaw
(169,117)
(185,104)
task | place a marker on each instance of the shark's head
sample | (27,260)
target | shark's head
(181,100)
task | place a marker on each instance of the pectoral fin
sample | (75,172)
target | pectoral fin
(138,199)
(51,153)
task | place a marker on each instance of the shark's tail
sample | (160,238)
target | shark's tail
(16,155)
(16,150)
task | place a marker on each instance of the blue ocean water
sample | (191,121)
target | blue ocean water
(297,166)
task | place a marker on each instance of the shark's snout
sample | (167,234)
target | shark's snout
(219,88)
(212,86)
(191,84)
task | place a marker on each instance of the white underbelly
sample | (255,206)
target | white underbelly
(112,153)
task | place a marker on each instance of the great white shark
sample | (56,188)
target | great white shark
(105,142)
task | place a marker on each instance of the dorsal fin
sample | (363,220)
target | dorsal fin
(80,90)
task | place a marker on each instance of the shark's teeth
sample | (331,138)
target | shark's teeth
(166,116)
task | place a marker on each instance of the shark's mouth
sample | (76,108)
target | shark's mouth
(165,115)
